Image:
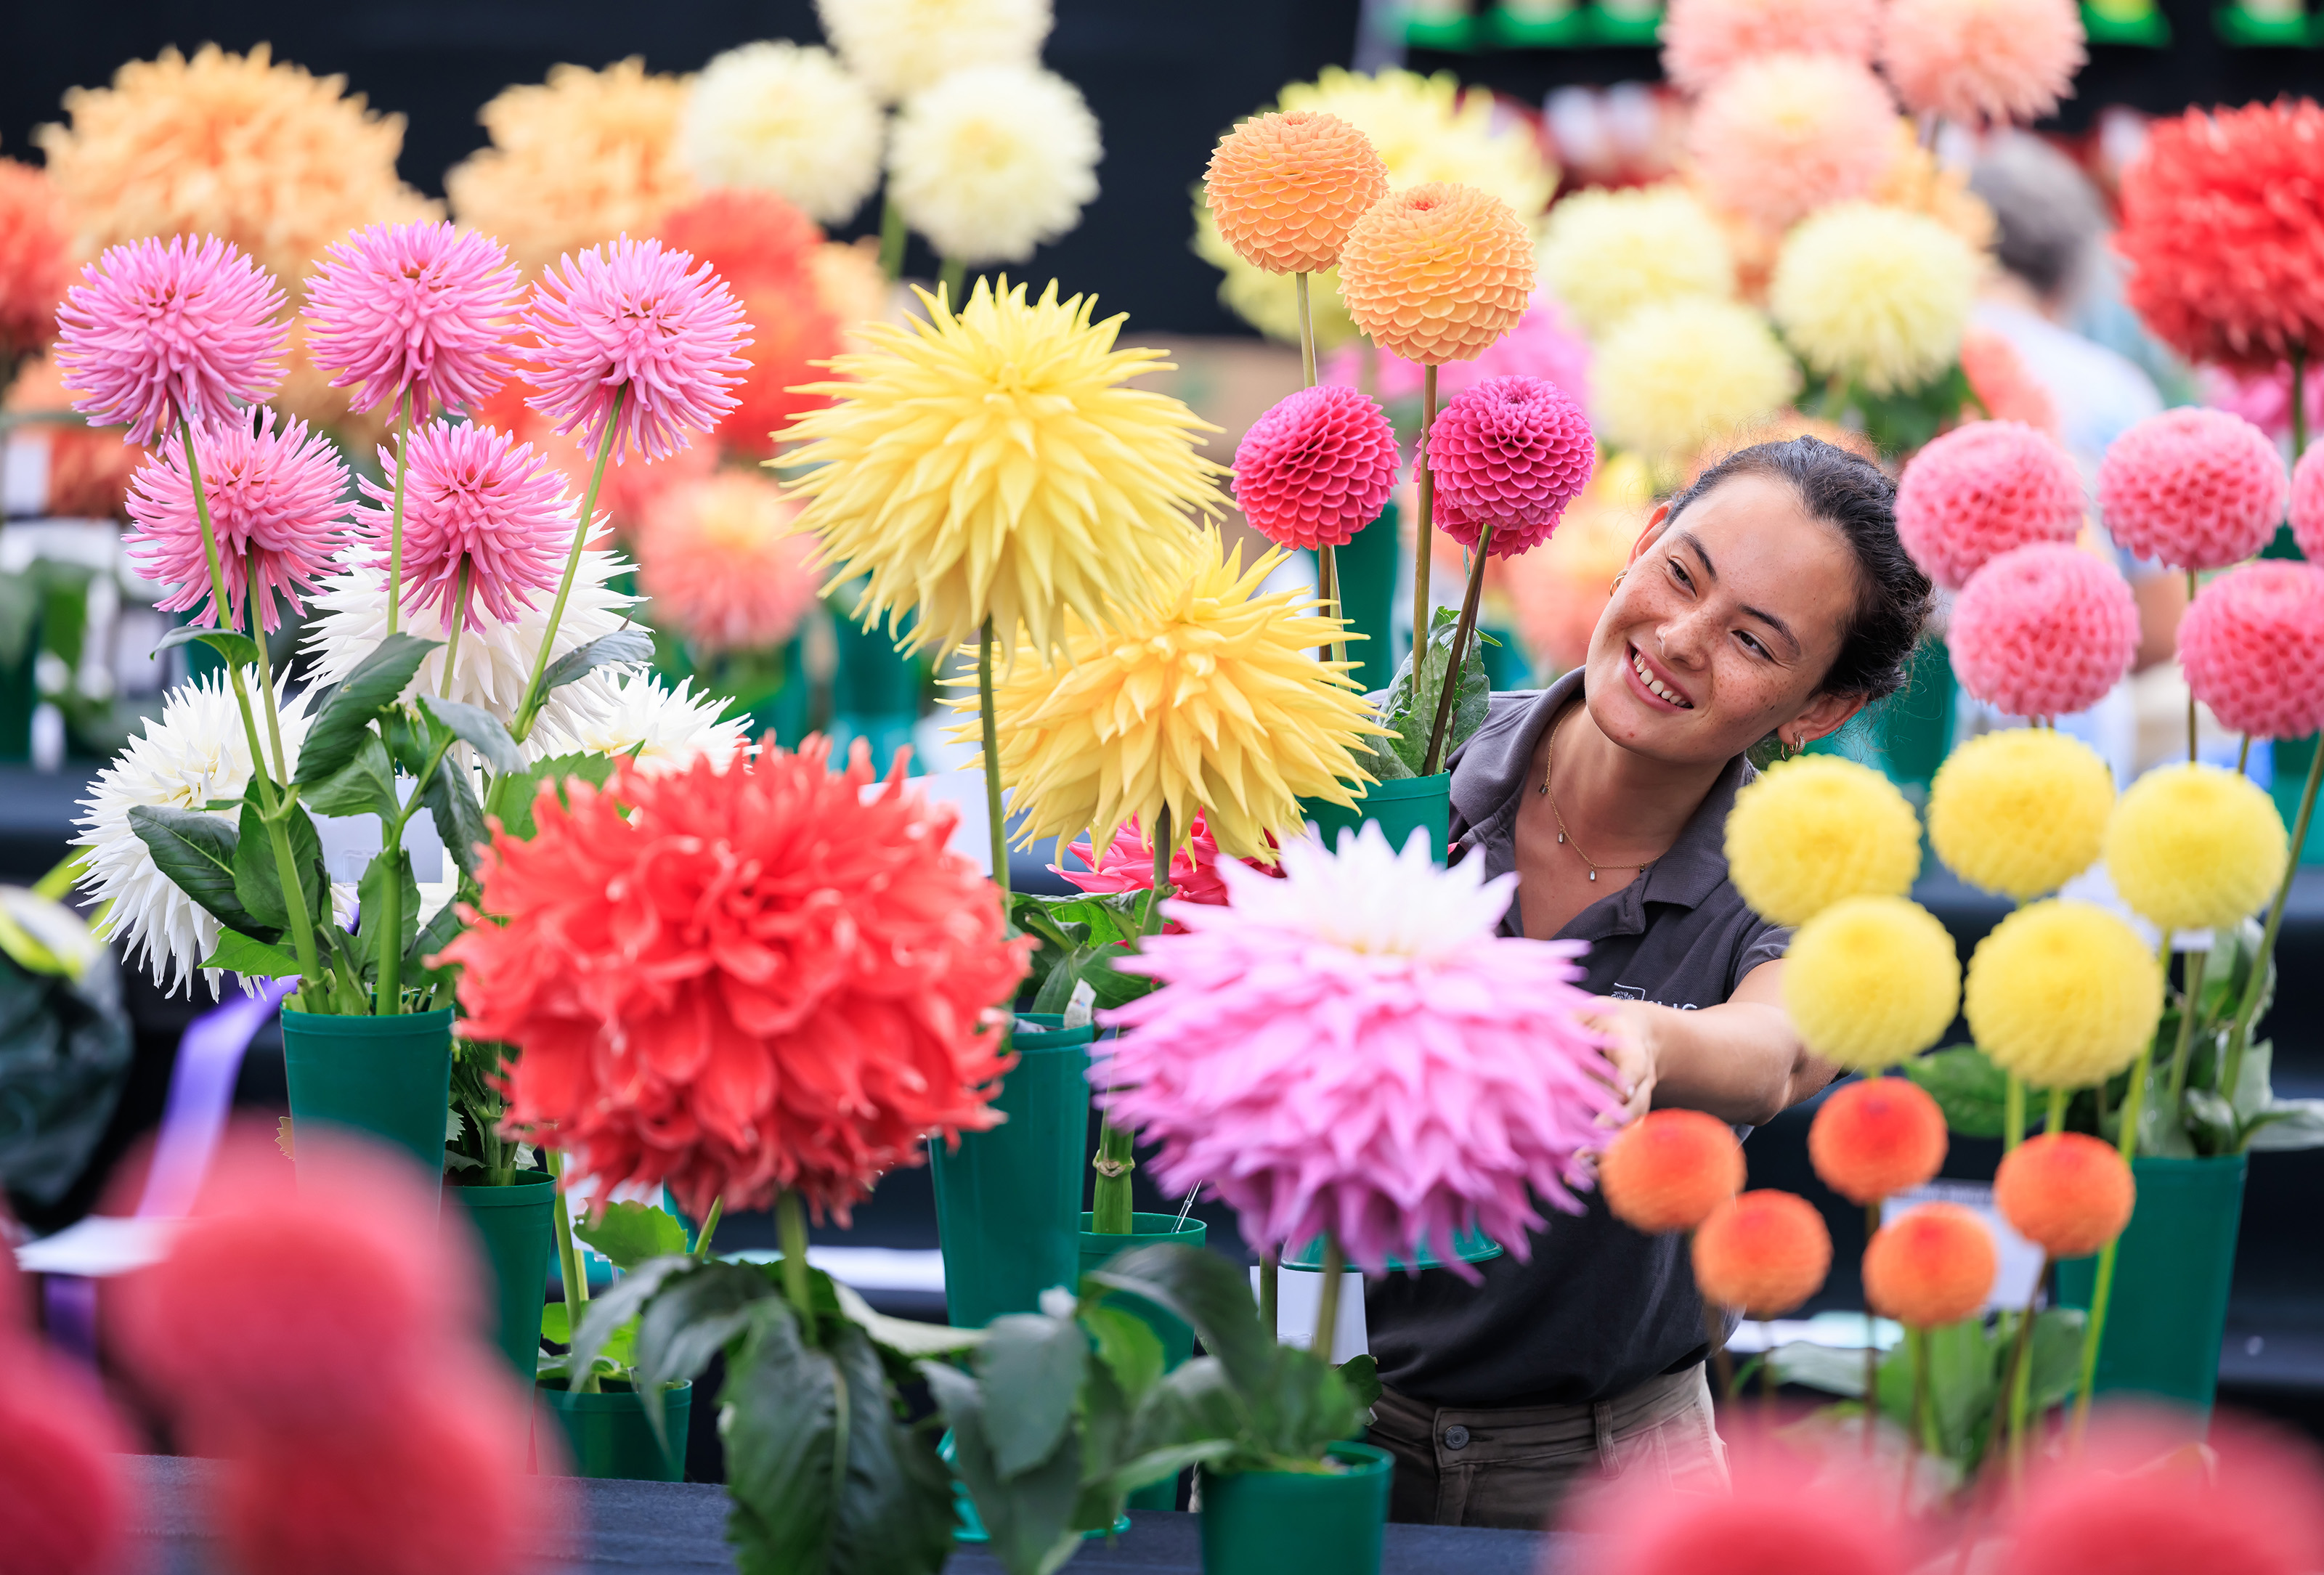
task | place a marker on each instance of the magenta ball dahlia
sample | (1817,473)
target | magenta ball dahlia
(1316,468)
(2195,488)
(2308,501)
(1510,453)
(2043,629)
(1980,489)
(2252,646)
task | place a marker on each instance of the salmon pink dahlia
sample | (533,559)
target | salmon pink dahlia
(2066,1193)
(1286,189)
(1510,453)
(1782,135)
(35,262)
(1670,1169)
(1316,468)
(1982,61)
(1703,40)
(1875,1138)
(485,521)
(420,309)
(161,331)
(723,564)
(1930,1266)
(1762,1254)
(743,981)
(1437,273)
(765,249)
(2043,631)
(1789,1512)
(1980,489)
(2197,489)
(2252,647)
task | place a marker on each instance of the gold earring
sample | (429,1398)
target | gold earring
(1616,583)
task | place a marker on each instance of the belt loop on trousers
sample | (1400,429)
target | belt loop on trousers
(1602,1418)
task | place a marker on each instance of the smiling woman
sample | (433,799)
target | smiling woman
(1771,599)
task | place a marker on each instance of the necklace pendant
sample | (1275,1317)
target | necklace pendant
(1594,874)
(1561,836)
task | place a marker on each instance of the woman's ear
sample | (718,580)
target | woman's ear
(1823,715)
(1654,523)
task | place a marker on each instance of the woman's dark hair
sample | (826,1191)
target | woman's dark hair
(1854,498)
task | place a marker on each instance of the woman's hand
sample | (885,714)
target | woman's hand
(1632,1031)
(1740,1060)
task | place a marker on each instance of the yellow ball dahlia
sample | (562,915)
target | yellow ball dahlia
(1269,302)
(2193,847)
(2020,812)
(777,117)
(988,463)
(1285,189)
(2064,994)
(1606,252)
(1438,272)
(1209,698)
(1876,295)
(1430,128)
(1817,829)
(1871,981)
(1670,378)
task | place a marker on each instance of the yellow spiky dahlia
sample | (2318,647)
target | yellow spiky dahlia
(2192,847)
(988,463)
(1672,377)
(1285,189)
(2063,993)
(2020,812)
(1438,272)
(1817,829)
(1871,981)
(1876,295)
(1210,698)
(1606,252)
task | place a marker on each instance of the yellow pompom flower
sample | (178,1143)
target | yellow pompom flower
(2020,812)
(2064,994)
(2194,847)
(993,161)
(1815,830)
(1876,295)
(1606,252)
(988,463)
(1269,302)
(1209,698)
(1871,981)
(1670,377)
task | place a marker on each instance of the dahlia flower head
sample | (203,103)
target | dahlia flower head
(724,565)
(799,1031)
(1670,1169)
(1435,129)
(1981,489)
(1545,342)
(2197,489)
(35,259)
(1876,295)
(487,522)
(2063,993)
(2195,847)
(1703,40)
(994,161)
(1761,1254)
(1606,252)
(67,1496)
(277,499)
(2067,1192)
(2221,267)
(2020,812)
(1675,376)
(1871,981)
(1982,62)
(2252,645)
(786,118)
(1286,189)
(1780,135)
(2003,385)
(1812,830)
(2308,500)
(1877,1136)
(899,48)
(643,720)
(2043,631)
(1127,865)
(420,308)
(161,331)
(1509,455)
(1353,1049)
(1317,467)
(1931,1266)
(1437,273)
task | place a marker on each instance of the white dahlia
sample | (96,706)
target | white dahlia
(901,47)
(665,730)
(993,161)
(787,119)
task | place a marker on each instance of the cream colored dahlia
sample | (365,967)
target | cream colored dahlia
(1605,253)
(1671,377)
(902,46)
(778,117)
(1875,295)
(994,161)
(662,729)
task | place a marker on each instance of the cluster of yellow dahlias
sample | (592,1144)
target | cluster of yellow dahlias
(1679,374)
(1876,296)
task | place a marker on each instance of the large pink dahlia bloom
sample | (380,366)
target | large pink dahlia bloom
(2043,631)
(164,329)
(422,308)
(2252,646)
(2197,489)
(1317,467)
(1980,489)
(1352,1048)
(1509,453)
(474,500)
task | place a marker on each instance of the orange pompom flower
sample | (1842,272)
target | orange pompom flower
(1762,1254)
(1437,273)
(1669,1169)
(721,564)
(2066,1193)
(1877,1138)
(1932,1265)
(1285,189)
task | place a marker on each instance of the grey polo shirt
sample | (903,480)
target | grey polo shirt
(1601,1308)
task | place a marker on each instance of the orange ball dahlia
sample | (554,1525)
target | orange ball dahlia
(1669,1169)
(1762,1254)
(1286,189)
(1437,273)
(1933,1264)
(1877,1138)
(2066,1193)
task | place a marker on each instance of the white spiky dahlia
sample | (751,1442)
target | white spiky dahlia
(664,730)
(901,47)
(994,161)
(780,117)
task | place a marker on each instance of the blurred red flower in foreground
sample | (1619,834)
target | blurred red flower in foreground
(64,1496)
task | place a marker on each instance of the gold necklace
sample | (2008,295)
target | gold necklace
(1549,770)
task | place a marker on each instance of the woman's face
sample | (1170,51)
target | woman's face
(1723,627)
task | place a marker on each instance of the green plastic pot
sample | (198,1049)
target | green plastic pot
(1177,1339)
(388,1077)
(1267,1523)
(607,1434)
(514,1223)
(2168,1311)
(1009,1201)
(1368,586)
(1468,1247)
(1400,808)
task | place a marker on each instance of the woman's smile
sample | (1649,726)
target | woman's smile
(1660,686)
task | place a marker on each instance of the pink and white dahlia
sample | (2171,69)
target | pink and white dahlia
(168,329)
(1353,1048)
(1511,453)
(423,308)
(1317,467)
(638,339)
(1980,489)
(2197,489)
(475,501)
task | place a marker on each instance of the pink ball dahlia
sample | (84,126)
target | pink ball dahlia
(1352,1048)
(1782,135)
(424,307)
(476,502)
(2043,629)
(639,340)
(1982,61)
(1703,39)
(2197,489)
(1980,489)
(2308,502)
(1316,468)
(165,331)
(2252,647)
(1511,453)
(277,499)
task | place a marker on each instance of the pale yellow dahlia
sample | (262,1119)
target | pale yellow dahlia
(1269,302)
(901,47)
(1210,698)
(2193,847)
(1876,295)
(1817,829)
(1606,252)
(1671,377)
(2064,994)
(2020,812)
(993,161)
(1871,981)
(782,119)
(988,463)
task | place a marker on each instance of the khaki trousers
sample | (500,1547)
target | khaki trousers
(1513,1466)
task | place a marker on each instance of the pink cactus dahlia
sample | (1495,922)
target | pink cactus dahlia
(2197,489)
(423,308)
(1509,453)
(1316,468)
(1980,489)
(165,329)
(1352,1048)
(475,501)
(2252,646)
(1127,865)
(2043,631)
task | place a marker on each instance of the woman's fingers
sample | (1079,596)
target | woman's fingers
(1628,1030)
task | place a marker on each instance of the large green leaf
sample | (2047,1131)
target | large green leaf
(1127,1347)
(629,1233)
(622,1303)
(1192,1402)
(623,648)
(238,649)
(513,794)
(1409,709)
(1028,1517)
(451,798)
(196,851)
(1967,1087)
(694,1317)
(238,954)
(2054,1358)
(479,728)
(1030,1368)
(1206,1292)
(437,934)
(258,884)
(392,864)
(1303,1407)
(362,696)
(366,784)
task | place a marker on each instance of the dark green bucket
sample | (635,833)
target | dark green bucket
(2168,1313)
(607,1434)
(390,1077)
(514,1224)
(1317,1523)
(1468,1247)
(1177,1339)
(1368,586)
(1400,807)
(1009,1201)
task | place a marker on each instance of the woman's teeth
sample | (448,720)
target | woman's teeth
(1647,677)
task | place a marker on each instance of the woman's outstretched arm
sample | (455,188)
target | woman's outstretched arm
(1741,1060)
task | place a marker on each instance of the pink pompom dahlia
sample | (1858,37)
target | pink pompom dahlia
(637,341)
(1703,39)
(1353,1049)
(2308,502)
(277,499)
(1982,61)
(478,507)
(165,331)
(1980,489)
(422,308)
(2252,647)
(2197,489)
(1782,135)
(2043,631)
(1511,453)
(1316,468)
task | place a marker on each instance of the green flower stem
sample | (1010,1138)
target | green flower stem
(387,1001)
(459,622)
(568,1267)
(2243,756)
(790,1230)
(2012,1113)
(1327,1300)
(2232,1071)
(1425,526)
(1269,1269)
(2056,1121)
(1462,631)
(2012,1403)
(1306,333)
(395,519)
(1916,1343)
(2093,1332)
(278,829)
(2190,688)
(951,280)
(988,716)
(709,1229)
(2299,359)
(1110,1211)
(892,239)
(534,694)
(2191,999)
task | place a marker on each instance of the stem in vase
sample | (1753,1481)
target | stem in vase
(1327,1300)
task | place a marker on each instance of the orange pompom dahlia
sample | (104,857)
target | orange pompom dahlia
(1875,1138)
(1438,272)
(1669,1169)
(1932,1265)
(1762,1254)
(1285,189)
(2066,1193)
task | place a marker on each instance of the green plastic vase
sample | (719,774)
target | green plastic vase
(1317,1523)
(1368,586)
(514,1224)
(1400,807)
(1177,1339)
(1468,1247)
(607,1434)
(388,1077)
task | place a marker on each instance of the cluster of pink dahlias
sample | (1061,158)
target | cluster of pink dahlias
(2043,631)
(1316,468)
(2194,488)
(1508,456)
(2252,647)
(1981,490)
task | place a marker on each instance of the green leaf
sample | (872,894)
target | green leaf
(905,1336)
(197,851)
(371,896)
(630,1233)
(1030,1368)
(2286,1125)
(1162,1464)
(1303,1408)
(2053,1356)
(1833,1369)
(366,784)
(1205,1291)
(451,797)
(623,648)
(479,728)
(618,1305)
(1362,1376)
(258,884)
(440,930)
(514,794)
(411,739)
(1030,1519)
(238,649)
(1967,1087)
(1193,1403)
(1411,703)
(238,954)
(1127,1347)
(362,696)
(613,1359)
(694,1316)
